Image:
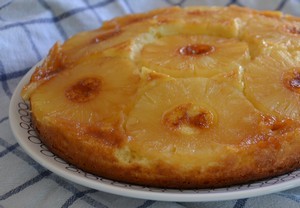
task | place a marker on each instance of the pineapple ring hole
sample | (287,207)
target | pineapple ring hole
(275,124)
(292,30)
(291,80)
(188,118)
(83,90)
(196,49)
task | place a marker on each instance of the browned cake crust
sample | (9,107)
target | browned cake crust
(198,97)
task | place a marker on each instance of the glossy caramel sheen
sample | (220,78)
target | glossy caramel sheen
(187,115)
(209,94)
(291,80)
(196,49)
(293,30)
(83,90)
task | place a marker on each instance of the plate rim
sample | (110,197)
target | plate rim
(125,191)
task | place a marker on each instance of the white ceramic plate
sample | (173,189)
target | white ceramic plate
(20,121)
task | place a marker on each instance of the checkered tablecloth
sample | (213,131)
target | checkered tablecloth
(28,28)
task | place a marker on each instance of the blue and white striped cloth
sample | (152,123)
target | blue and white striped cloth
(28,28)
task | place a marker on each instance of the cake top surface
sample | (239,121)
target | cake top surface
(185,89)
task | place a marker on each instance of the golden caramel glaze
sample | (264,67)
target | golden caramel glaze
(178,123)
(294,30)
(84,90)
(271,85)
(88,92)
(210,94)
(277,32)
(106,35)
(118,32)
(52,65)
(176,58)
(196,49)
(187,115)
(291,80)
(254,161)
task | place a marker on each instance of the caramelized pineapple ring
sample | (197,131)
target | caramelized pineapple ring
(188,118)
(193,55)
(291,79)
(51,66)
(210,94)
(84,90)
(116,36)
(193,113)
(272,83)
(265,32)
(196,49)
(212,21)
(94,91)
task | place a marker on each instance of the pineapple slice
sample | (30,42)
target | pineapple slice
(214,21)
(190,117)
(181,89)
(88,93)
(272,83)
(235,78)
(193,55)
(84,44)
(266,32)
(52,65)
(117,35)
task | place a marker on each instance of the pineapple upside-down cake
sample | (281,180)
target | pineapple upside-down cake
(196,97)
